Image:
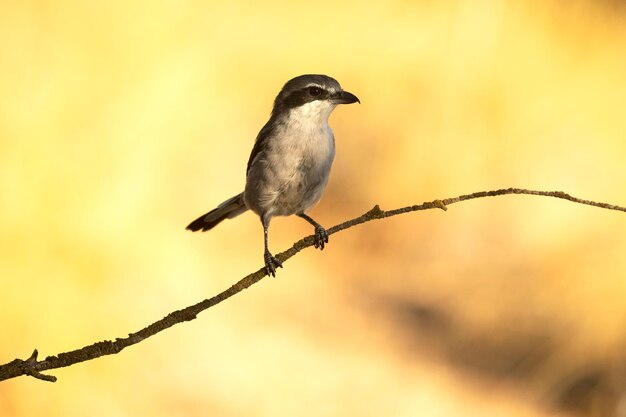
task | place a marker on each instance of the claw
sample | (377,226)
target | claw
(321,237)
(271,263)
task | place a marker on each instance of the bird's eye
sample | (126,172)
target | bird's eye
(315,91)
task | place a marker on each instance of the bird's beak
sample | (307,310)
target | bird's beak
(344,97)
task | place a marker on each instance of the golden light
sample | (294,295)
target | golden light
(120,122)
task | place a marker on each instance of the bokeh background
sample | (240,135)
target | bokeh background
(120,122)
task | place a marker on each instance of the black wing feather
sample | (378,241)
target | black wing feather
(261,141)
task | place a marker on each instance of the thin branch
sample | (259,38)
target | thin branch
(33,367)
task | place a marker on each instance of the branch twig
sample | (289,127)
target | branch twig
(33,367)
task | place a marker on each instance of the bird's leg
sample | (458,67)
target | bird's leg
(271,263)
(321,235)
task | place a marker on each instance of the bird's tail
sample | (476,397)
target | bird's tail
(230,208)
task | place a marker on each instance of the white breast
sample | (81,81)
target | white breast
(299,160)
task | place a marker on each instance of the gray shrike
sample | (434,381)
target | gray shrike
(290,162)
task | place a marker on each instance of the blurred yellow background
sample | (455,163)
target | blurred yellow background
(120,122)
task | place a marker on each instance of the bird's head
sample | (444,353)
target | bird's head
(312,96)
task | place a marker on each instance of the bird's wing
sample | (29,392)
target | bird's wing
(261,142)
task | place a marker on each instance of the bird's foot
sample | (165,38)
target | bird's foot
(271,263)
(321,237)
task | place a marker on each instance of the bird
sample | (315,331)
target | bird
(290,162)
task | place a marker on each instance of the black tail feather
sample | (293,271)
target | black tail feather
(201,224)
(227,210)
